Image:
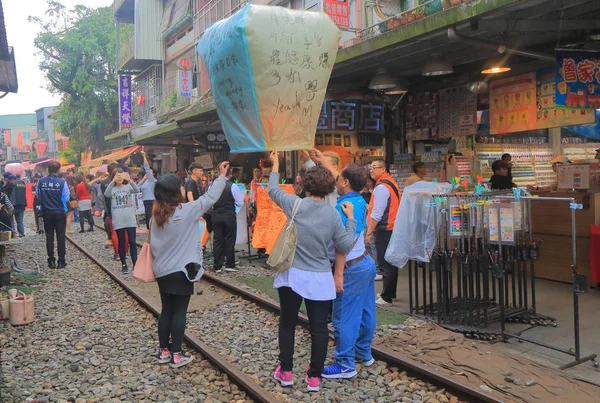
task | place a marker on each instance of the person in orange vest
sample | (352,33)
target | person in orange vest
(382,216)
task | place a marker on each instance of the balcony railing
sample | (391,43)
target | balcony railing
(126,51)
(388,22)
(212,12)
(149,87)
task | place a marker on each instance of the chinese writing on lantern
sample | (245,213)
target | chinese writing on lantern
(126,117)
(338,12)
(185,83)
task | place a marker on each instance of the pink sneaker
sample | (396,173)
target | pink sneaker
(312,383)
(285,378)
(164,356)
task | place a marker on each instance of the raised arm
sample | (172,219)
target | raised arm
(206,201)
(108,191)
(343,237)
(134,188)
(282,199)
(149,174)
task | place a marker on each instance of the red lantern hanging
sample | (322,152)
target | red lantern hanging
(141,99)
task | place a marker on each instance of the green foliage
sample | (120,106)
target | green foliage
(70,156)
(171,101)
(78,58)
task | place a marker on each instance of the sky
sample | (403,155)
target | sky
(32,94)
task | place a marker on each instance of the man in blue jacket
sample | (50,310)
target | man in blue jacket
(53,195)
(354,307)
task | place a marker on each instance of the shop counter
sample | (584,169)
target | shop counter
(552,225)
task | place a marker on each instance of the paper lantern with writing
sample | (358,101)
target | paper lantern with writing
(269,68)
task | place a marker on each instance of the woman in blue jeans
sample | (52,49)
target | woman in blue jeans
(353,314)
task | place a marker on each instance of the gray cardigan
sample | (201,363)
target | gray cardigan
(318,225)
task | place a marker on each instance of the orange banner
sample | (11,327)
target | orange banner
(19,140)
(270,219)
(513,104)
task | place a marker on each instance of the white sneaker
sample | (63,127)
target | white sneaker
(378,277)
(367,363)
(381,302)
(231,269)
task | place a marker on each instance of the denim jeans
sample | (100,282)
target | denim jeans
(354,319)
(19,217)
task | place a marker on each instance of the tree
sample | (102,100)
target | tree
(78,57)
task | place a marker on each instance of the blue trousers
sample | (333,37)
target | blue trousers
(353,317)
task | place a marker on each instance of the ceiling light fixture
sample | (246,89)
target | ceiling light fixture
(437,66)
(382,80)
(400,87)
(495,65)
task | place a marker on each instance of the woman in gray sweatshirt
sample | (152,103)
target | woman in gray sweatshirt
(123,214)
(310,278)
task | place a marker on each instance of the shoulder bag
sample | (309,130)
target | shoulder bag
(283,253)
(143,271)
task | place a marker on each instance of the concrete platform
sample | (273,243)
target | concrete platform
(553,299)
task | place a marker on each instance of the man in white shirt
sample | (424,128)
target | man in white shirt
(225,226)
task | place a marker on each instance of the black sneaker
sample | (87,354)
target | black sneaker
(51,264)
(90,229)
(81,231)
(180,359)
(62,264)
(124,269)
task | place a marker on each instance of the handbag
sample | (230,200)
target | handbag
(142,271)
(284,251)
(73,204)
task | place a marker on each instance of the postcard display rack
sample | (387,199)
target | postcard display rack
(482,268)
(531,162)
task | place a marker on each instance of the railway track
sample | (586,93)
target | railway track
(260,393)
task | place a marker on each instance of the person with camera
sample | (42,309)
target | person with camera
(174,234)
(124,221)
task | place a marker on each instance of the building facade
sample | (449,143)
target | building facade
(18,132)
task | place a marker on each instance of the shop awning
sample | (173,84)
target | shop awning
(114,156)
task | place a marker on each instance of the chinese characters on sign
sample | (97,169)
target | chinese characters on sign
(126,117)
(185,83)
(578,79)
(547,113)
(185,77)
(338,11)
(351,116)
(513,104)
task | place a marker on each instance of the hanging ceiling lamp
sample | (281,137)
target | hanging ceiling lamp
(400,87)
(496,65)
(382,80)
(437,66)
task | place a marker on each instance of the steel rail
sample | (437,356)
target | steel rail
(256,391)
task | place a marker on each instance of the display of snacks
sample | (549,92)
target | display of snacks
(578,152)
(530,162)
(400,172)
(464,165)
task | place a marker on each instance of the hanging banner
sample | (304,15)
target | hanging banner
(513,104)
(270,219)
(126,117)
(577,79)
(269,68)
(338,11)
(7,137)
(185,83)
(20,140)
(41,147)
(547,113)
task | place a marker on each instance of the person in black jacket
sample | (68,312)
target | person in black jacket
(19,201)
(500,179)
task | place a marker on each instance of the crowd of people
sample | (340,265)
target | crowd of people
(344,219)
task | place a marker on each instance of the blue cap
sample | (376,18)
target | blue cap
(12,177)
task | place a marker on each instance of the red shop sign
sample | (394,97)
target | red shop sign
(338,11)
(185,63)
